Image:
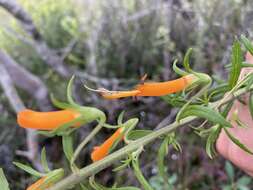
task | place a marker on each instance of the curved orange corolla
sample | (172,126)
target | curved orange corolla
(99,152)
(46,120)
(152,88)
(37,184)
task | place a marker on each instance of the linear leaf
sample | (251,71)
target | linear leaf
(186,61)
(59,104)
(44,160)
(69,92)
(3,181)
(238,142)
(210,150)
(162,152)
(177,70)
(251,104)
(236,64)
(139,175)
(136,134)
(67,143)
(28,169)
(206,113)
(230,171)
(248,45)
(250,82)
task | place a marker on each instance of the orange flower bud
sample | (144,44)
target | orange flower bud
(99,152)
(46,120)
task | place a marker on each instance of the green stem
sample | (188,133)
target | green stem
(84,142)
(96,167)
(139,175)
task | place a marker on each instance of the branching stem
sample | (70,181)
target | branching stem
(96,167)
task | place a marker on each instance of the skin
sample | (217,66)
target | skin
(225,146)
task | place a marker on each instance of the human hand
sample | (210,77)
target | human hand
(225,146)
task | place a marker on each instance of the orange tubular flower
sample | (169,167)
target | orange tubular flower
(152,88)
(46,120)
(37,184)
(99,152)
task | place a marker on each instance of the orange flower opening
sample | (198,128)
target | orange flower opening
(99,152)
(37,184)
(152,88)
(46,120)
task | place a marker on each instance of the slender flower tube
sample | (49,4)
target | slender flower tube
(37,184)
(46,120)
(152,88)
(99,152)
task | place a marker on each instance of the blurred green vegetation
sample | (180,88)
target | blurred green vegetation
(123,40)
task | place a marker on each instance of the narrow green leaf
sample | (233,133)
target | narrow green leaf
(186,61)
(125,163)
(59,104)
(204,112)
(218,90)
(175,100)
(210,150)
(44,160)
(139,175)
(67,143)
(136,134)
(3,181)
(28,169)
(244,180)
(250,81)
(226,109)
(178,70)
(230,170)
(162,152)
(248,45)
(69,92)
(238,142)
(236,64)
(244,64)
(120,118)
(82,186)
(251,104)
(123,188)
